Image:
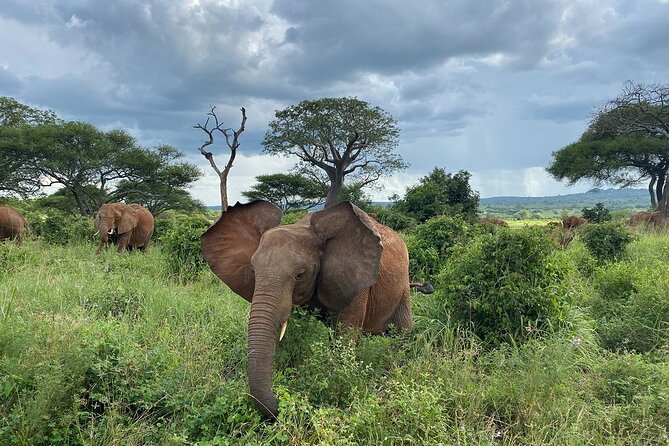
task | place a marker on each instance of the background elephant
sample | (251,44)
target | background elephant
(645,218)
(573,222)
(127,225)
(338,259)
(494,222)
(12,224)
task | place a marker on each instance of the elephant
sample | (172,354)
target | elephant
(12,224)
(126,225)
(338,260)
(573,222)
(494,222)
(645,218)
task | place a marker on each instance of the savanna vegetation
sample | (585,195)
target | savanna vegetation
(569,348)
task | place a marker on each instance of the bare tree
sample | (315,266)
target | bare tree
(231,139)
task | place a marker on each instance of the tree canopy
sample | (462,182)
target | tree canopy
(440,193)
(76,155)
(342,137)
(288,191)
(627,141)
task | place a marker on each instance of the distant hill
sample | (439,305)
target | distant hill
(551,206)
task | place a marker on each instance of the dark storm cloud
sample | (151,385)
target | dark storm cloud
(335,40)
(473,84)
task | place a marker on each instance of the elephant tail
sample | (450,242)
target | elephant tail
(425,288)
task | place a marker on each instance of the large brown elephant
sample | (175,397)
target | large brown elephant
(339,260)
(12,224)
(127,225)
(573,222)
(645,218)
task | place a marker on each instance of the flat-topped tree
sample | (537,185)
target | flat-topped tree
(343,137)
(231,139)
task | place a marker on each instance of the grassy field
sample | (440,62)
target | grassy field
(110,350)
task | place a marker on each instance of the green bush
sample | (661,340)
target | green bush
(433,242)
(181,244)
(504,286)
(395,219)
(596,214)
(293,217)
(60,228)
(607,241)
(631,307)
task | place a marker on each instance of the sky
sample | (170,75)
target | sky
(489,86)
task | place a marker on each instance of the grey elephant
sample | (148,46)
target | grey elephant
(126,225)
(339,260)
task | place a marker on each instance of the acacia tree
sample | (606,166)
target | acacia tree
(232,144)
(76,156)
(288,191)
(628,135)
(342,137)
(14,178)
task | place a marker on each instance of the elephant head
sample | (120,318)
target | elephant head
(326,259)
(114,219)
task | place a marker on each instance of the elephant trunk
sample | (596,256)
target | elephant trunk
(265,320)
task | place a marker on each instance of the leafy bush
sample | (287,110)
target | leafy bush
(60,228)
(607,241)
(182,246)
(596,214)
(395,219)
(631,307)
(504,286)
(293,217)
(433,241)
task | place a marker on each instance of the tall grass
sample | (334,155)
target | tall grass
(111,349)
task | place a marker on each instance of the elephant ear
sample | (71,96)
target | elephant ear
(351,253)
(231,242)
(127,221)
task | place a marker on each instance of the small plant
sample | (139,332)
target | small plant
(596,214)
(182,246)
(504,286)
(607,241)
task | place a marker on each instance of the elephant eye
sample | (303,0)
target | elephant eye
(300,274)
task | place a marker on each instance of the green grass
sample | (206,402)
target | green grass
(111,349)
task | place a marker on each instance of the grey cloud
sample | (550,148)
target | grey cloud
(9,83)
(557,109)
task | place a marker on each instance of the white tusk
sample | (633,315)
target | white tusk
(111,231)
(283,330)
(96,233)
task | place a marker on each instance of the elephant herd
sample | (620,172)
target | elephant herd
(128,226)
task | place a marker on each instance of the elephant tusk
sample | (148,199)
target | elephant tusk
(283,330)
(96,233)
(111,231)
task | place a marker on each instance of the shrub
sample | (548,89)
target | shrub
(596,214)
(293,217)
(631,308)
(504,286)
(182,246)
(60,228)
(395,219)
(433,241)
(607,241)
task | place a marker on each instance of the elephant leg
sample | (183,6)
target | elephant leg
(354,314)
(402,318)
(123,240)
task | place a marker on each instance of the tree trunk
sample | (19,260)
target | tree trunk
(224,191)
(659,186)
(336,182)
(664,202)
(651,191)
